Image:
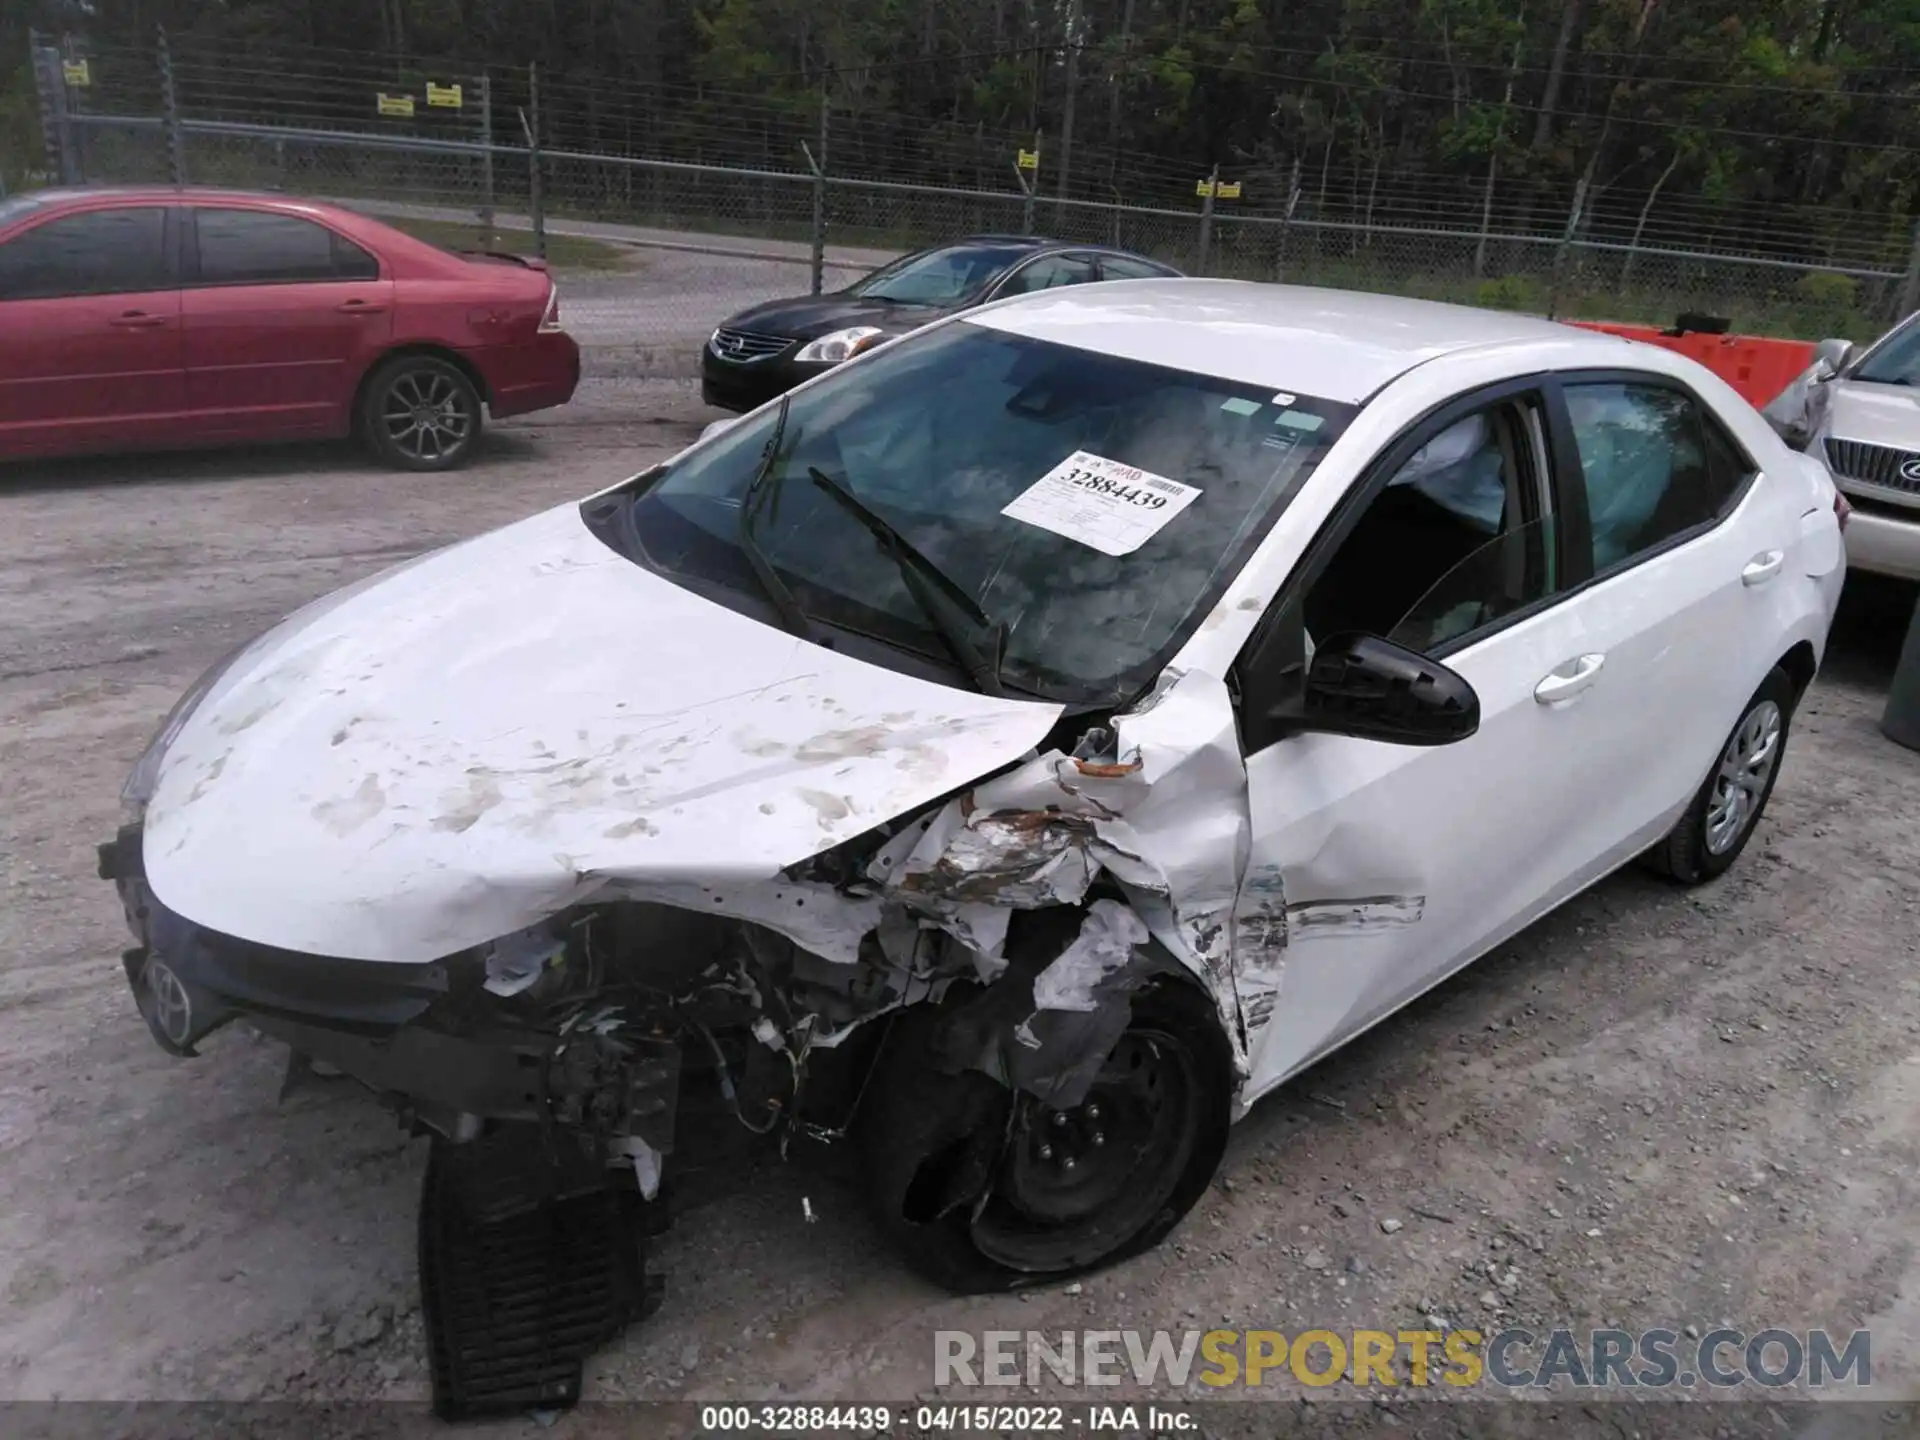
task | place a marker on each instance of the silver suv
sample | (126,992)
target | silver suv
(1859,410)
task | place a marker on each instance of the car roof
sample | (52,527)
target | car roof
(1340,345)
(60,197)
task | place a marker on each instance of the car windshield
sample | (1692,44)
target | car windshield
(938,277)
(1094,506)
(1896,361)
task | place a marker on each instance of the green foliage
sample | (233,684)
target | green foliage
(1511,292)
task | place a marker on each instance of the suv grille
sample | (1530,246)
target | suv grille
(747,344)
(1880,465)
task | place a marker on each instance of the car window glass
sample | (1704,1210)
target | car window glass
(1895,361)
(1121,267)
(1648,465)
(937,277)
(258,247)
(98,252)
(350,262)
(1048,272)
(1450,545)
(1083,622)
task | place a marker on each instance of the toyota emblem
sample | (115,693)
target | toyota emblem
(172,1010)
(1910,471)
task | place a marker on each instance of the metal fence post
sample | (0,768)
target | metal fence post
(819,164)
(1206,219)
(1026,209)
(486,160)
(1910,284)
(56,123)
(170,113)
(536,203)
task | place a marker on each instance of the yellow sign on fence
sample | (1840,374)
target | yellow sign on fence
(1028,160)
(446,96)
(1226,190)
(395,104)
(76,72)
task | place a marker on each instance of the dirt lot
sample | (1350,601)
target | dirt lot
(1652,1109)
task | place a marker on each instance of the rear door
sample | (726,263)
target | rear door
(1676,544)
(92,355)
(282,317)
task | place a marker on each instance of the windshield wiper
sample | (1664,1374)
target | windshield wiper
(954,613)
(764,487)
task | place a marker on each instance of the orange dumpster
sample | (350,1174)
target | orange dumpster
(1758,367)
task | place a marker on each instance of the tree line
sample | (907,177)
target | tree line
(1788,117)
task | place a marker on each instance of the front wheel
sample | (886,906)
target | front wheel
(420,412)
(985,1190)
(1723,815)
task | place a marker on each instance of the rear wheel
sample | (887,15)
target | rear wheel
(1723,815)
(983,1190)
(420,412)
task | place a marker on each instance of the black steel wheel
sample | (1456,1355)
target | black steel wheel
(420,412)
(986,1190)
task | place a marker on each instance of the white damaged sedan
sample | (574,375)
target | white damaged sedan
(1016,750)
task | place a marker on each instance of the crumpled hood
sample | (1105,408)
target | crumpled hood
(488,734)
(1880,414)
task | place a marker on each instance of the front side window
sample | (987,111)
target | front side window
(1653,465)
(97,252)
(259,247)
(1093,506)
(938,277)
(1456,541)
(1048,272)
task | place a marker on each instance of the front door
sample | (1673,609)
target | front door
(282,318)
(92,355)
(1374,869)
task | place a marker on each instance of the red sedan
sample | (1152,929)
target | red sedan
(137,319)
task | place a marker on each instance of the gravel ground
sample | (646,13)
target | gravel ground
(1653,1108)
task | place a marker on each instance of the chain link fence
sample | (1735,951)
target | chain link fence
(668,213)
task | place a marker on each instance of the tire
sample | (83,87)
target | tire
(420,412)
(1707,839)
(974,1185)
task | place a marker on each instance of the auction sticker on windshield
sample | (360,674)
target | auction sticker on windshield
(1101,503)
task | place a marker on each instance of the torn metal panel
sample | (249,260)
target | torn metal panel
(1156,805)
(1105,944)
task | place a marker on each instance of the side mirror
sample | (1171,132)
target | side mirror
(1831,357)
(1372,689)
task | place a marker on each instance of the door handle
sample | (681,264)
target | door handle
(137,320)
(1763,567)
(1565,681)
(359,307)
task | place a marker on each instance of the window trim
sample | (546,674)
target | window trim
(188,268)
(169,246)
(1571,497)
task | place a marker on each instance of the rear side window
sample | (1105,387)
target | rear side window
(259,247)
(1654,465)
(98,252)
(1121,267)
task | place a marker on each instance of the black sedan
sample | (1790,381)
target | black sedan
(769,349)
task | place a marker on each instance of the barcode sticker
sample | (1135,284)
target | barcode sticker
(1112,508)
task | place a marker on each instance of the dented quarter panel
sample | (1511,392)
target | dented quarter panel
(512,725)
